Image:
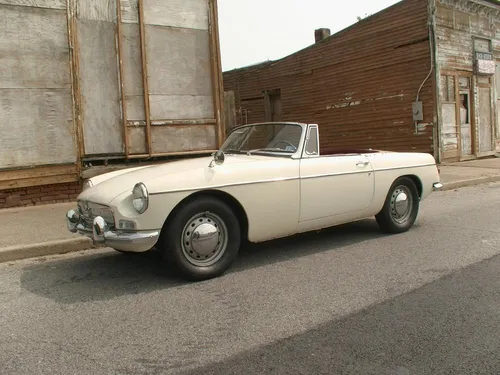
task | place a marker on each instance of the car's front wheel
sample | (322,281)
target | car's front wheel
(202,239)
(400,208)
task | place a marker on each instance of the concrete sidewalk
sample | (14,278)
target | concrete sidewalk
(41,230)
(467,173)
(28,232)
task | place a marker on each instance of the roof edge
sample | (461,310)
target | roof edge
(323,41)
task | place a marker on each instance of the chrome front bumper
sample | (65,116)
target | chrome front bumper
(101,234)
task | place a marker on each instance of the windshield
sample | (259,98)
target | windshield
(280,138)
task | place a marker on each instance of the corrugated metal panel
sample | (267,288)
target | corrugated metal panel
(358,85)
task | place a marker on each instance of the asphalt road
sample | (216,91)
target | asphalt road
(346,301)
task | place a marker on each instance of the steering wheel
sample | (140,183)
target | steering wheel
(285,142)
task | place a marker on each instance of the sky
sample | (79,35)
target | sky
(252,31)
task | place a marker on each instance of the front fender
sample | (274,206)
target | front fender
(160,207)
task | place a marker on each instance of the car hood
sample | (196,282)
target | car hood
(182,174)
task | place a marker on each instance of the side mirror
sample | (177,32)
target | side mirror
(218,159)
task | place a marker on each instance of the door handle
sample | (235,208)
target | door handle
(362,163)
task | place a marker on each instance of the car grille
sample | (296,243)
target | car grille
(90,210)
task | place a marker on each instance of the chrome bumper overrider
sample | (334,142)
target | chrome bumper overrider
(101,234)
(437,186)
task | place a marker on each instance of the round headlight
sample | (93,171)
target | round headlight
(140,197)
(87,184)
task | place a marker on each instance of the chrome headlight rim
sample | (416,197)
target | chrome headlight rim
(140,198)
(87,184)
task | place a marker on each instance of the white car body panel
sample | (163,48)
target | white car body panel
(335,185)
(281,196)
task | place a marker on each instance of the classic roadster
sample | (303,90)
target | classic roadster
(268,180)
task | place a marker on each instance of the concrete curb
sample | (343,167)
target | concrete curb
(13,253)
(469,182)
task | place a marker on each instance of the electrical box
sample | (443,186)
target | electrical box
(418,113)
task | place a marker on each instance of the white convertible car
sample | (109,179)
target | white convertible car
(267,181)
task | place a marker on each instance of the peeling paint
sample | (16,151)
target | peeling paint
(358,102)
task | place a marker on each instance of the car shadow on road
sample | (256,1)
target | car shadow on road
(109,274)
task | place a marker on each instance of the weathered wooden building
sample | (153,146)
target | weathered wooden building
(417,76)
(97,82)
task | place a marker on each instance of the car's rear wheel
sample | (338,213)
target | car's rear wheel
(400,208)
(202,239)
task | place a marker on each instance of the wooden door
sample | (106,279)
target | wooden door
(485,117)
(465,118)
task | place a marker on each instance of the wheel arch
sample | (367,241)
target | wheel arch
(225,197)
(416,180)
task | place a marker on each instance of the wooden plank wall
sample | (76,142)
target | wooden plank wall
(99,77)
(35,85)
(132,79)
(229,110)
(358,85)
(72,84)
(178,74)
(457,22)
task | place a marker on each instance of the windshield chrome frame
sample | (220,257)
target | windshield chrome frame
(296,155)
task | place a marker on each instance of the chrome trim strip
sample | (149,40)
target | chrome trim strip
(314,176)
(282,179)
(279,179)
(405,167)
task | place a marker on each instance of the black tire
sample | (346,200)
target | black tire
(175,246)
(386,219)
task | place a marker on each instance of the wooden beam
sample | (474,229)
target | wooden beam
(120,77)
(36,176)
(218,90)
(145,75)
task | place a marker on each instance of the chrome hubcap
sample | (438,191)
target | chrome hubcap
(204,239)
(401,204)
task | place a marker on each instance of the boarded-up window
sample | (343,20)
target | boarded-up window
(481,45)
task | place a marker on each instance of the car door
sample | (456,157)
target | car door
(334,185)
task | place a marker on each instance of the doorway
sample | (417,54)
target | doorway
(464,116)
(485,116)
(457,110)
(272,103)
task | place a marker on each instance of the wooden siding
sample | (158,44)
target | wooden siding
(358,84)
(179,79)
(49,4)
(72,84)
(458,22)
(35,88)
(98,74)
